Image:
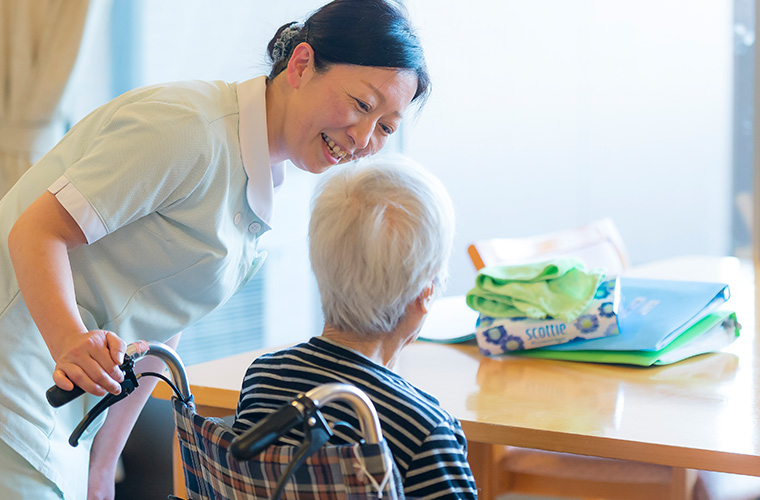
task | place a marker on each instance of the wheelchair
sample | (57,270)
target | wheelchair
(221,465)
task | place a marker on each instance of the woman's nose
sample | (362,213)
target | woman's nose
(361,133)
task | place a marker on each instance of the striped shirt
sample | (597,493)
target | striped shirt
(427,443)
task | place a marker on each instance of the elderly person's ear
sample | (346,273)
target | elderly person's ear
(426,296)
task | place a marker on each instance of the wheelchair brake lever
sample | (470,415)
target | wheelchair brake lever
(127,387)
(316,433)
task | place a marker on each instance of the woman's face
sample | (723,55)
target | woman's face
(344,113)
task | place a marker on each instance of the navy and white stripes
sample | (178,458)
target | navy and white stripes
(427,443)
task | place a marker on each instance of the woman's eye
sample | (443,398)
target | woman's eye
(363,105)
(386,129)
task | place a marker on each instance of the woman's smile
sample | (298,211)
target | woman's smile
(333,149)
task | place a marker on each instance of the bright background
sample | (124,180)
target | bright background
(545,114)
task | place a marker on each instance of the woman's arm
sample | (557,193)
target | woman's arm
(39,243)
(112,436)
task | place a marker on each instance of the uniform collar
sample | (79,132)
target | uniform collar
(263,178)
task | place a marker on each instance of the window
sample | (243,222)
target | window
(547,115)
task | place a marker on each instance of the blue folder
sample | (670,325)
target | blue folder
(711,333)
(652,313)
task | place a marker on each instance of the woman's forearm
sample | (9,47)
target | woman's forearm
(38,244)
(112,436)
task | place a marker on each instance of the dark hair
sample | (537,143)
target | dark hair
(363,32)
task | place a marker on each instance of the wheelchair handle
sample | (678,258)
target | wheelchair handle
(174,363)
(256,439)
(259,437)
(58,397)
(365,410)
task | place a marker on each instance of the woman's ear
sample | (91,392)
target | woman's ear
(300,65)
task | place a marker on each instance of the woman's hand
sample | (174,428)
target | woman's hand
(91,361)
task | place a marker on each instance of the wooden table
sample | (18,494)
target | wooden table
(701,413)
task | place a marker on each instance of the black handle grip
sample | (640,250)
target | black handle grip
(255,440)
(58,397)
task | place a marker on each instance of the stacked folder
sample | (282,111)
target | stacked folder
(659,322)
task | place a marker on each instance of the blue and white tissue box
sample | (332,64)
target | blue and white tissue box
(599,319)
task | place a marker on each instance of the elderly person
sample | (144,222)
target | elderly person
(379,239)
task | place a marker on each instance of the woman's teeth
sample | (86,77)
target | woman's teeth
(334,148)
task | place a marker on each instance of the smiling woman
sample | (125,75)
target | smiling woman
(147,216)
(334,96)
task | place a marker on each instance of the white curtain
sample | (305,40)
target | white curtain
(39,42)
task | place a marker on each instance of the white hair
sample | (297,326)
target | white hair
(381,231)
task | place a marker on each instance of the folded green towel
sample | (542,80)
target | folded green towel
(560,288)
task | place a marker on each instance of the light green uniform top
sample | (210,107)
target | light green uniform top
(163,170)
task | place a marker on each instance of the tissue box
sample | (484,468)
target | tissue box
(599,319)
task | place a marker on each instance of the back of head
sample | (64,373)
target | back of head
(362,32)
(380,232)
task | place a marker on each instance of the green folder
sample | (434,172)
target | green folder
(713,332)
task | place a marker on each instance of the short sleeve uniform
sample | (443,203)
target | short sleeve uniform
(161,169)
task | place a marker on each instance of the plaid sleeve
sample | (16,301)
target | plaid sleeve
(439,469)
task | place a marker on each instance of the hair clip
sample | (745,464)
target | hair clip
(283,45)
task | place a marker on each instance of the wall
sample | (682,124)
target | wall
(548,114)
(544,115)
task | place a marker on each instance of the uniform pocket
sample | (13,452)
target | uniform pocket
(258,262)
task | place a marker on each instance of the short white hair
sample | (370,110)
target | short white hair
(381,231)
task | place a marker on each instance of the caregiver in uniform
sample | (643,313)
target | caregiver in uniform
(145,217)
